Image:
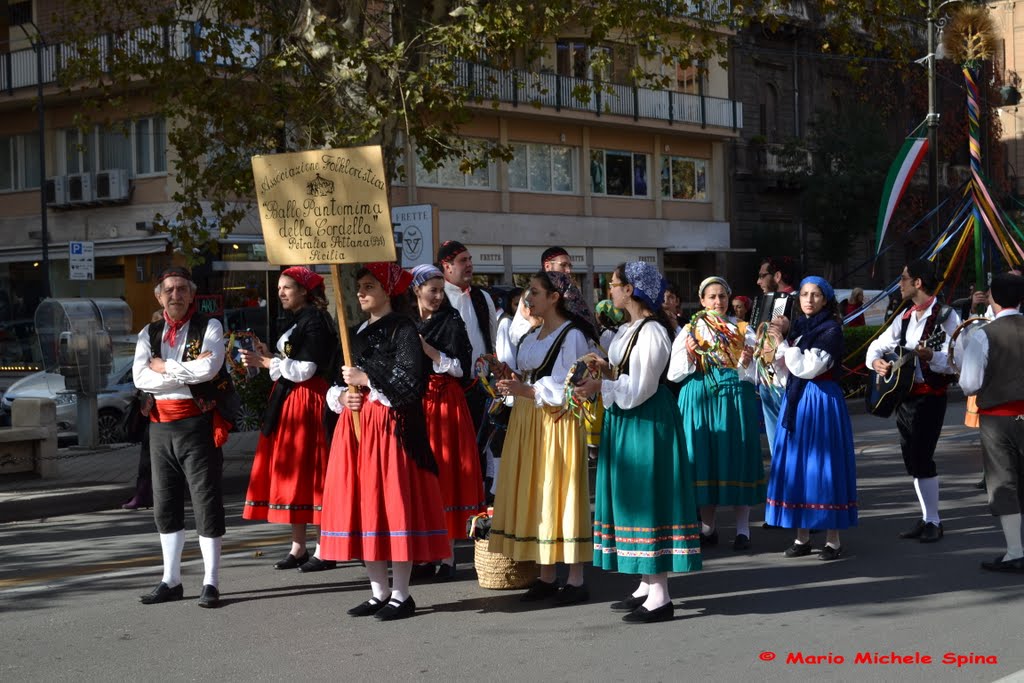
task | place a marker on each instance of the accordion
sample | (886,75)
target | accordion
(767,307)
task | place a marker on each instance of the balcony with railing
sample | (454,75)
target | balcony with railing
(531,89)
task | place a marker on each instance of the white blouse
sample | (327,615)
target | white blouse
(791,360)
(550,390)
(682,366)
(640,380)
(294,370)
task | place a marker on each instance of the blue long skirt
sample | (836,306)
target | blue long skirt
(813,483)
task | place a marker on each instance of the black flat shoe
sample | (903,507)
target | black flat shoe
(798,550)
(914,531)
(828,553)
(163,593)
(1001,565)
(423,571)
(292,562)
(709,540)
(741,542)
(571,595)
(315,564)
(931,533)
(629,604)
(642,615)
(539,590)
(397,610)
(445,572)
(210,597)
(368,608)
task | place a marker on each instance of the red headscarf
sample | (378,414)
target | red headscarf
(391,277)
(305,277)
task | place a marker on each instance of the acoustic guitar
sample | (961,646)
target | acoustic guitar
(884,394)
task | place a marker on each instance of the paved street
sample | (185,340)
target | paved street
(69,587)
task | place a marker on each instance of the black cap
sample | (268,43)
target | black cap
(174,271)
(449,250)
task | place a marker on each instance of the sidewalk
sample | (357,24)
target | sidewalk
(102,479)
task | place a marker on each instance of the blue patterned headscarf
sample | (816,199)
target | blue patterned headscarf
(648,284)
(822,284)
(573,298)
(422,273)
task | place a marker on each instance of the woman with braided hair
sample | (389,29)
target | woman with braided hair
(542,505)
(717,401)
(814,473)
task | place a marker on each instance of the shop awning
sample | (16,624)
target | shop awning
(58,251)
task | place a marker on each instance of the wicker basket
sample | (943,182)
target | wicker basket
(495,571)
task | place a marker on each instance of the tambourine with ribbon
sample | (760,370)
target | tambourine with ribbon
(489,371)
(765,348)
(715,343)
(584,368)
(966,328)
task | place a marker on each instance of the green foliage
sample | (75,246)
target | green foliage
(236,78)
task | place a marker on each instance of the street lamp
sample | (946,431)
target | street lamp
(38,45)
(932,121)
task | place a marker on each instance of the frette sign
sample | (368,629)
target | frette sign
(324,206)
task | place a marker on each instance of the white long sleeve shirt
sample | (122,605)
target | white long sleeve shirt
(890,338)
(975,358)
(550,390)
(173,382)
(462,302)
(682,366)
(294,370)
(791,360)
(640,380)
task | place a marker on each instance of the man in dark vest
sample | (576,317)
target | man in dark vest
(476,309)
(925,328)
(176,361)
(991,369)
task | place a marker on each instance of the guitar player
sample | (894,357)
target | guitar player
(919,417)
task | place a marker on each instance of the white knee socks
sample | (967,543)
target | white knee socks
(1011,530)
(210,548)
(928,496)
(401,572)
(378,573)
(171,546)
(743,520)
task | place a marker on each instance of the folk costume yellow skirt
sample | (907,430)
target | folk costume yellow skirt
(542,505)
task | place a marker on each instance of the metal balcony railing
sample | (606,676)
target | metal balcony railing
(517,87)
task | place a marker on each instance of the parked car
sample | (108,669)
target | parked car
(112,402)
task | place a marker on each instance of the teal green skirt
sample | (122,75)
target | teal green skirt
(721,418)
(645,519)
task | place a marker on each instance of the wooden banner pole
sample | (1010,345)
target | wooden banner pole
(346,349)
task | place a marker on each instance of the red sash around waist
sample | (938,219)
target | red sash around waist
(827,376)
(174,409)
(925,389)
(1011,409)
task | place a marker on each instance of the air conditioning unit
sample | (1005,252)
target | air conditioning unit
(56,191)
(111,185)
(80,188)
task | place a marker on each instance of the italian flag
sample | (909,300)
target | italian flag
(902,170)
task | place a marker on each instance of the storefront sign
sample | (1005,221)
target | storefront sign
(605,260)
(210,305)
(487,259)
(415,233)
(324,206)
(82,261)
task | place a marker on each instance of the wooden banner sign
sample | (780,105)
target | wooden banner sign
(324,206)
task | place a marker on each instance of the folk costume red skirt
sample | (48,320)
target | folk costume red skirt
(378,504)
(453,440)
(286,485)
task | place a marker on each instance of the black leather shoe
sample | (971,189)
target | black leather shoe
(210,597)
(539,590)
(571,595)
(1001,565)
(709,540)
(629,604)
(315,564)
(397,610)
(445,572)
(798,550)
(370,607)
(423,571)
(914,531)
(741,542)
(766,525)
(931,533)
(642,615)
(292,562)
(828,553)
(163,593)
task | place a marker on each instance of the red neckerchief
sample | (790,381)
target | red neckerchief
(171,334)
(919,307)
(787,290)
